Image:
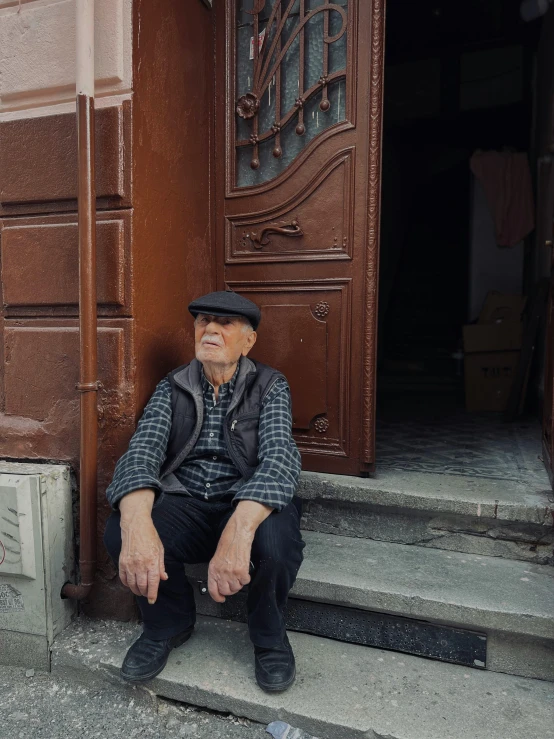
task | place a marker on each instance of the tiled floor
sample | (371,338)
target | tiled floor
(437,435)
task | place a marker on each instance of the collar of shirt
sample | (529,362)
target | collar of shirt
(226,389)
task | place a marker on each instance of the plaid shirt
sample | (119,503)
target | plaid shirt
(209,472)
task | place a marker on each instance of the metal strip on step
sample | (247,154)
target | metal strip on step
(380,630)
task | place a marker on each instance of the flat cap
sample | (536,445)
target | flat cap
(226,303)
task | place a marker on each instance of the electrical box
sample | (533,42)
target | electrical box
(36,559)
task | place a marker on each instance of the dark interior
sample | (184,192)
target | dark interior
(458,78)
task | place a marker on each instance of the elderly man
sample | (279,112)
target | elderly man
(209,475)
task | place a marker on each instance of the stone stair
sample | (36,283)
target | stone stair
(453,568)
(508,602)
(342,691)
(497,518)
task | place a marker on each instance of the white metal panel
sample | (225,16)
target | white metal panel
(17,526)
(36,531)
(22,605)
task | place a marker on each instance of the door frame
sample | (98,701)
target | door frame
(369,384)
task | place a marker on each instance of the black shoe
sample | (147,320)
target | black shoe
(275,667)
(147,657)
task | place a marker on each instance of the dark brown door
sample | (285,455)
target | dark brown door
(298,134)
(545,212)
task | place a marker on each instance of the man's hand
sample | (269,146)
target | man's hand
(141,562)
(229,568)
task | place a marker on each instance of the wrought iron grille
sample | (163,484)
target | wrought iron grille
(290,84)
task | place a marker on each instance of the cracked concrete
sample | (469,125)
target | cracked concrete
(529,542)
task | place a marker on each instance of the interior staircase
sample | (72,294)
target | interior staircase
(424,609)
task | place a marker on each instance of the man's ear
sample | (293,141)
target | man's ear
(250,341)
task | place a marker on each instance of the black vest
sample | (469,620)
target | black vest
(240,425)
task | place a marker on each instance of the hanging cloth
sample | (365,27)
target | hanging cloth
(506,180)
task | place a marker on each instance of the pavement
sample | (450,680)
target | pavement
(39,705)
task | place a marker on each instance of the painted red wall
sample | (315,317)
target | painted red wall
(155,254)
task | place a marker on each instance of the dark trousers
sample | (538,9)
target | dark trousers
(189,530)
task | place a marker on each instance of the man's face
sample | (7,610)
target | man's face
(222,340)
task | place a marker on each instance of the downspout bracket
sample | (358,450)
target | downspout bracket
(88,387)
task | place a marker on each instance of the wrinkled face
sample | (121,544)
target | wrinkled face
(222,340)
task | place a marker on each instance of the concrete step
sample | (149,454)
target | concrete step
(511,602)
(342,691)
(495,518)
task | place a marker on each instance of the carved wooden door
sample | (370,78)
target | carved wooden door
(545,213)
(298,136)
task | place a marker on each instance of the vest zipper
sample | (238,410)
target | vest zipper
(243,418)
(231,443)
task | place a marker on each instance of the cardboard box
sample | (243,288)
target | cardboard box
(488,380)
(493,337)
(492,349)
(502,308)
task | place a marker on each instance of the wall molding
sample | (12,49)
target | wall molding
(38,43)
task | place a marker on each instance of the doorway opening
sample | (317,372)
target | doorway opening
(459,79)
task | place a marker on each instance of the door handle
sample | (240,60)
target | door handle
(290,229)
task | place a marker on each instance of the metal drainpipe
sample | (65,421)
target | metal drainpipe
(88,383)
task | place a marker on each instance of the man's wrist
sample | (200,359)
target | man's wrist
(137,503)
(248,515)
